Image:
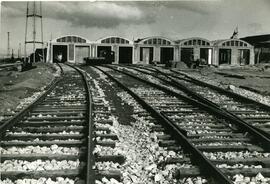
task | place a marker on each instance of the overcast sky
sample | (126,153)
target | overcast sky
(210,19)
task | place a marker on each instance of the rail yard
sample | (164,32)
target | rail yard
(135,124)
(135,92)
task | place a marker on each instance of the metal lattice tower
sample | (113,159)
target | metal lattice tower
(33,14)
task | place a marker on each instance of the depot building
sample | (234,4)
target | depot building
(155,49)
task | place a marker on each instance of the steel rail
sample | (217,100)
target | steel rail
(19,116)
(10,65)
(90,174)
(224,91)
(259,137)
(180,86)
(177,133)
(61,68)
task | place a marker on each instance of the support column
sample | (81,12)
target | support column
(176,54)
(234,56)
(115,48)
(156,53)
(71,53)
(49,53)
(179,52)
(196,53)
(94,50)
(90,50)
(137,51)
(252,56)
(215,59)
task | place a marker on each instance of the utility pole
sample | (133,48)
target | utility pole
(34,12)
(12,54)
(8,45)
(19,51)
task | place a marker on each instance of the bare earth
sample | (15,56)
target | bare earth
(251,78)
(15,86)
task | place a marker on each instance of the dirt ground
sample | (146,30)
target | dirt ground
(254,78)
(14,85)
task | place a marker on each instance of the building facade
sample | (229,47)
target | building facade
(233,52)
(121,48)
(156,49)
(195,48)
(261,45)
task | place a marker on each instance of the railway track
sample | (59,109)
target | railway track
(17,66)
(245,109)
(206,143)
(52,140)
(241,108)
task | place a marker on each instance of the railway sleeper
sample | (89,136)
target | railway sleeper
(63,118)
(106,143)
(33,157)
(51,123)
(58,113)
(167,143)
(54,98)
(70,143)
(265,162)
(44,136)
(206,140)
(46,110)
(64,107)
(53,174)
(211,129)
(104,121)
(63,102)
(107,136)
(182,173)
(251,172)
(230,148)
(116,174)
(110,158)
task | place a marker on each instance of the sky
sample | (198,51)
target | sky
(210,19)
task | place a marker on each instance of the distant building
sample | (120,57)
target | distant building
(70,48)
(233,52)
(261,45)
(155,49)
(195,48)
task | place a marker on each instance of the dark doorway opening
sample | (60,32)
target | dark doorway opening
(206,55)
(146,54)
(106,52)
(166,54)
(59,53)
(224,56)
(243,56)
(262,55)
(125,55)
(187,55)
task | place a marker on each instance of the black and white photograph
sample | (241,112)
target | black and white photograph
(135,92)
